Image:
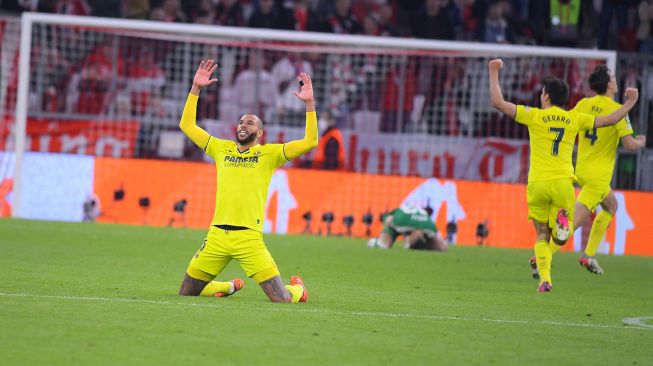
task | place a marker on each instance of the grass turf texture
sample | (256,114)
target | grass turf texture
(106,294)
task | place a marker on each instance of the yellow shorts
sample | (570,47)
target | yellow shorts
(591,194)
(245,246)
(545,198)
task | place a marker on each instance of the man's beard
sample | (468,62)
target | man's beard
(247,140)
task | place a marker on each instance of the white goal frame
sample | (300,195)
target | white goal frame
(469,48)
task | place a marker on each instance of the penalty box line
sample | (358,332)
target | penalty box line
(628,323)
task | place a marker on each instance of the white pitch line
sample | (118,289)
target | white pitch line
(627,325)
(640,321)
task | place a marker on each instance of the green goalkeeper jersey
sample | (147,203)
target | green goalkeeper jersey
(408,219)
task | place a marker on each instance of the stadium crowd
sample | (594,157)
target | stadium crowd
(623,25)
(139,78)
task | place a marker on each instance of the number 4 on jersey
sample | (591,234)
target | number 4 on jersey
(591,136)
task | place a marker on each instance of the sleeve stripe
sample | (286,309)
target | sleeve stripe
(283,151)
(207,143)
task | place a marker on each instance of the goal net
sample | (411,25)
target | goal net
(99,102)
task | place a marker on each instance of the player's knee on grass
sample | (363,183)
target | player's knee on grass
(275,290)
(191,286)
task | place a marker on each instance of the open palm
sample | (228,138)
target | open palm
(306,90)
(203,74)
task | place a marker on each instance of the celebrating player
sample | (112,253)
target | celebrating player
(415,224)
(552,131)
(596,157)
(244,169)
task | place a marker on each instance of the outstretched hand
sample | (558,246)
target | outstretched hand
(203,74)
(306,90)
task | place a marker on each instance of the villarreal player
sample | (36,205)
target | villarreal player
(552,131)
(597,150)
(244,169)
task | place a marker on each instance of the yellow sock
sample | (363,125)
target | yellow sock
(214,287)
(553,246)
(543,257)
(296,291)
(599,227)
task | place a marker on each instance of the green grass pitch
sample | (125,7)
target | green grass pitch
(94,294)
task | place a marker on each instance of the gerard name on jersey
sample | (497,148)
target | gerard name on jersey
(555,118)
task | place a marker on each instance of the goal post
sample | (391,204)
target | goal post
(20,124)
(385,93)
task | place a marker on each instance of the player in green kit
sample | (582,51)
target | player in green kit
(244,169)
(597,149)
(415,224)
(552,132)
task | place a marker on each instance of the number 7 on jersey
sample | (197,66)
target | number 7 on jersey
(560,133)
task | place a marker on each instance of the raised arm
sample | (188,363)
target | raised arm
(633,143)
(296,148)
(188,122)
(496,97)
(616,116)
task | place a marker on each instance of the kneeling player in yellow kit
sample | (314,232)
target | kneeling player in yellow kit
(244,169)
(552,132)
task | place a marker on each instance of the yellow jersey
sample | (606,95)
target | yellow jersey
(243,180)
(597,147)
(552,133)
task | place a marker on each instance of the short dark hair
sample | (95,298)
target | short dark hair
(599,79)
(557,89)
(257,119)
(261,125)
